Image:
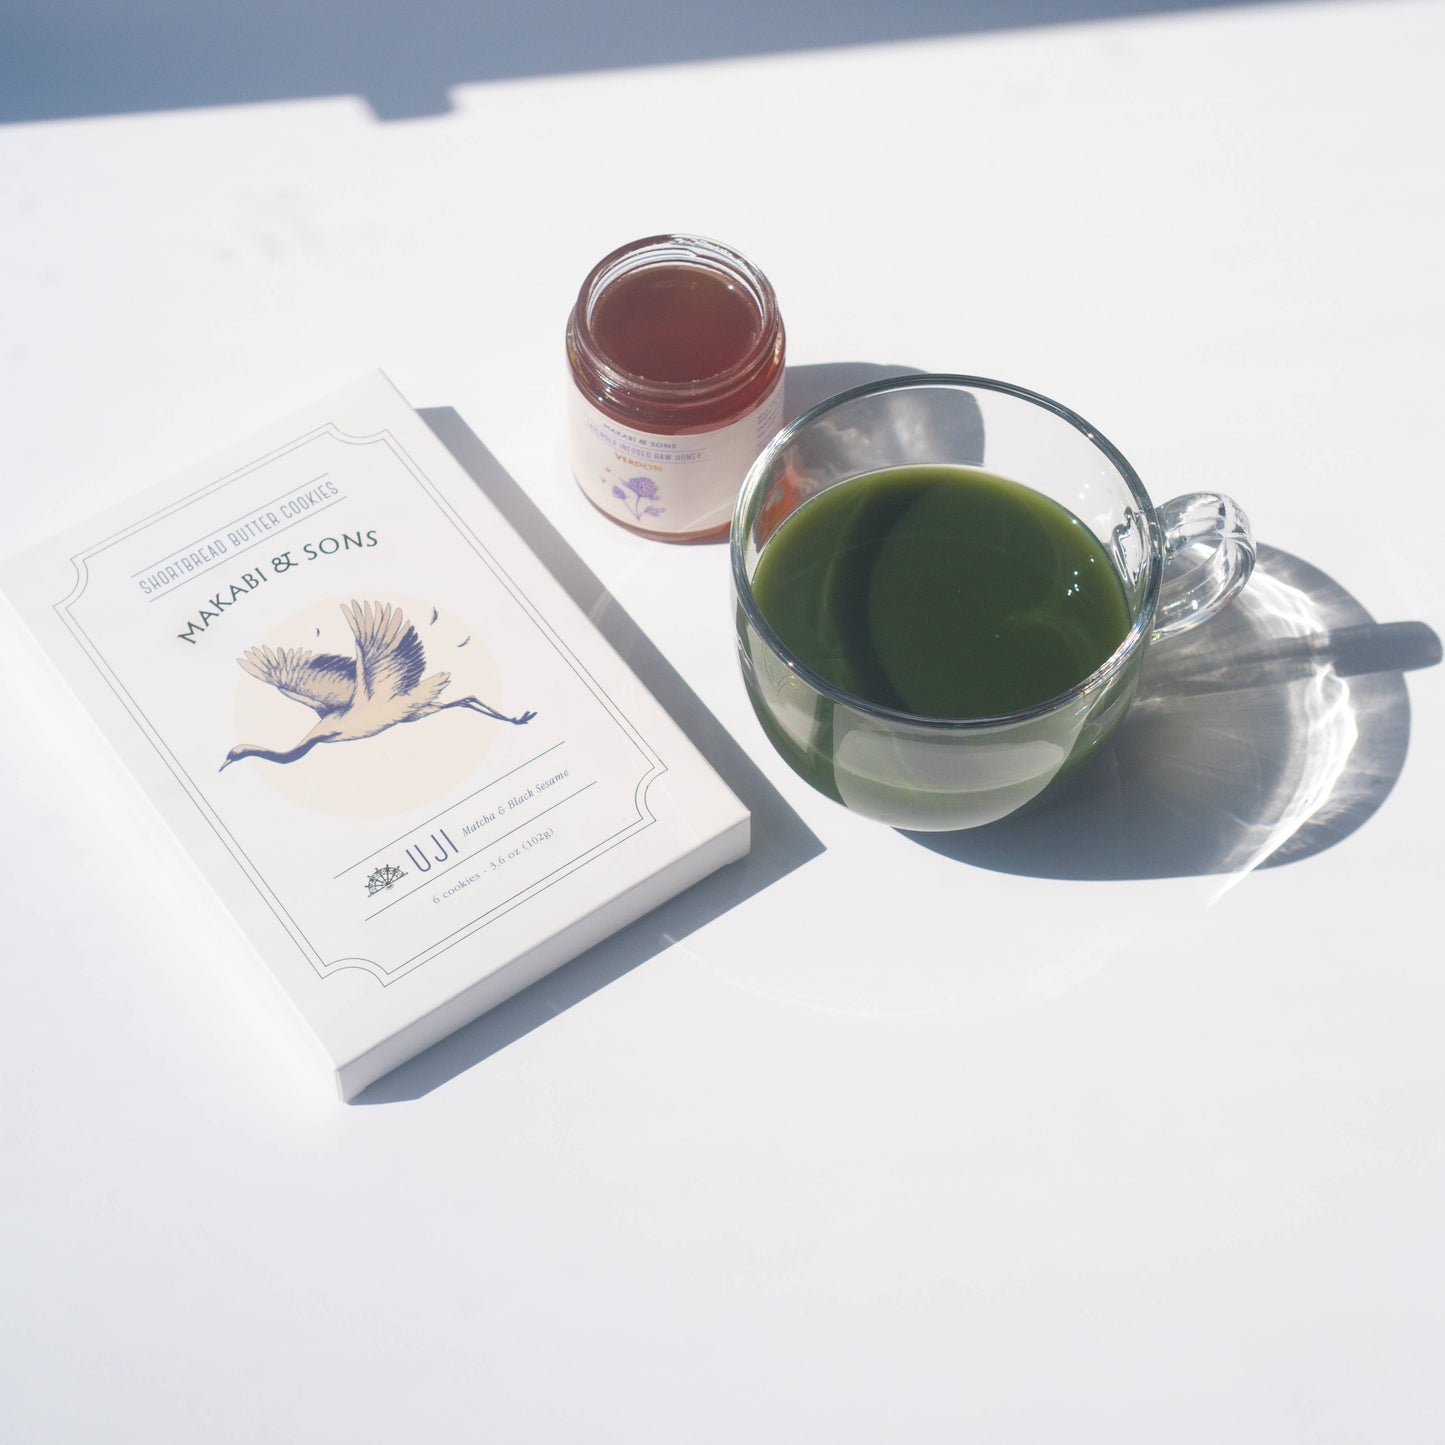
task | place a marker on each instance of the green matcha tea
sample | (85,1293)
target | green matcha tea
(941,591)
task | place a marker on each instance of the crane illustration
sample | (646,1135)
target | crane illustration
(357,697)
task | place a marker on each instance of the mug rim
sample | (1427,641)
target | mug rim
(1140,625)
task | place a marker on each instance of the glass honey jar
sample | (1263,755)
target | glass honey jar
(676,350)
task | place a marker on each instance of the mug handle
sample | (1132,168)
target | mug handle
(1208,556)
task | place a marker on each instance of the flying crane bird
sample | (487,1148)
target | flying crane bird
(357,697)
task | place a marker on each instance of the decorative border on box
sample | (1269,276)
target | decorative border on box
(654,765)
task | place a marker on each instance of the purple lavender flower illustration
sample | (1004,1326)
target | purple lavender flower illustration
(643,494)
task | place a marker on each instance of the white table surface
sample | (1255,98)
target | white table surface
(1080,1132)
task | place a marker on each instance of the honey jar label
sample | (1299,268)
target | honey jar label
(680,484)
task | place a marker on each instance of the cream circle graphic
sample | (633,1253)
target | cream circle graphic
(399,768)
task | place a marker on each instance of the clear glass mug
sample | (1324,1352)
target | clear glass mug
(1178,562)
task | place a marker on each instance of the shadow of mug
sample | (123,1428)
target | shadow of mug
(1261,739)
